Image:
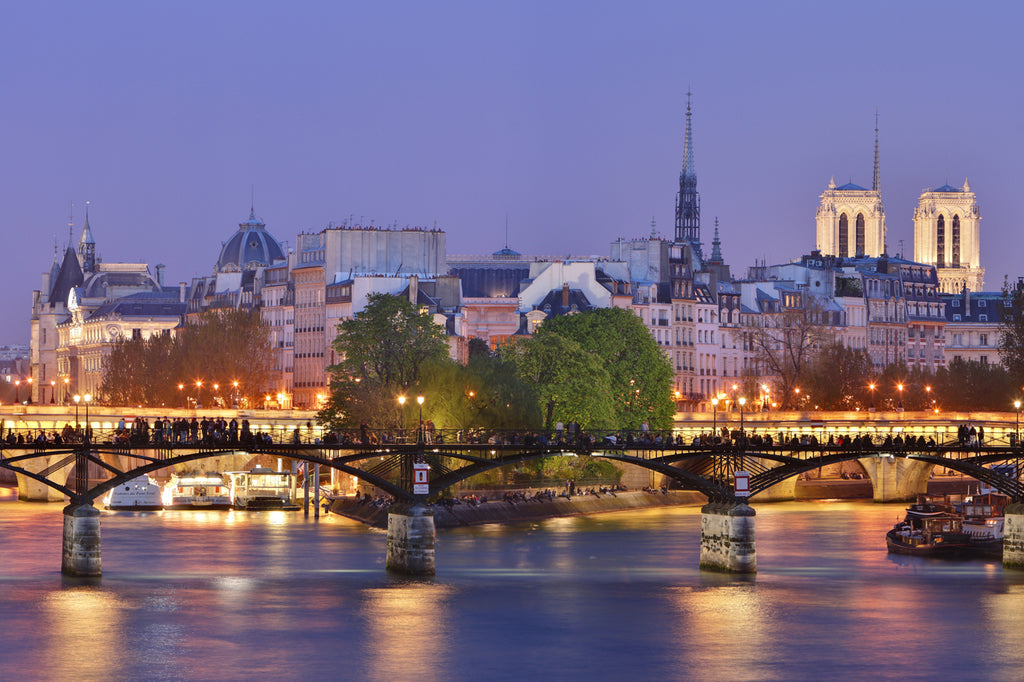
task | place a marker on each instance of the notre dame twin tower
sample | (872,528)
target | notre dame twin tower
(851,223)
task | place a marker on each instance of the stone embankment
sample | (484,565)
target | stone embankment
(500,511)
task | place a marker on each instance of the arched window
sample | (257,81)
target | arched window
(844,236)
(956,241)
(940,242)
(860,234)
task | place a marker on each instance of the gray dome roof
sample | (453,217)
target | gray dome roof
(251,247)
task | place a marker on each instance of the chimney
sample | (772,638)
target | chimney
(414,289)
(565,295)
(181,292)
(967,303)
(160,274)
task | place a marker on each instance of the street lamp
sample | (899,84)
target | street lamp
(401,409)
(419,437)
(1016,406)
(234,394)
(53,391)
(871,406)
(17,391)
(742,401)
(899,405)
(714,419)
(797,391)
(77,398)
(181,393)
(29,380)
(199,387)
(88,428)
(67,381)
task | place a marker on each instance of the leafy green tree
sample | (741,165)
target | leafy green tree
(639,373)
(383,350)
(571,384)
(974,386)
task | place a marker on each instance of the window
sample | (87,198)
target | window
(982,303)
(983,339)
(956,302)
(983,318)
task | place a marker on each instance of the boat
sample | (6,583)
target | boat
(931,528)
(983,522)
(197,491)
(138,494)
(263,489)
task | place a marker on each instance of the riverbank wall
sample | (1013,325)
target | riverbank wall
(501,511)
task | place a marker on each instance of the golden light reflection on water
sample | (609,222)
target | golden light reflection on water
(84,634)
(406,630)
(728,624)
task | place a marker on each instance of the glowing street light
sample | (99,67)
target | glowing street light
(67,381)
(742,401)
(181,393)
(899,405)
(17,391)
(88,428)
(77,398)
(871,407)
(53,391)
(714,418)
(419,437)
(1016,406)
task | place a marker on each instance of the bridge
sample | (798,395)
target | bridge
(415,468)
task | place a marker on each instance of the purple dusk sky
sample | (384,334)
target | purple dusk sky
(566,117)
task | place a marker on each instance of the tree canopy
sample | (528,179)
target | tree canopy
(217,348)
(384,349)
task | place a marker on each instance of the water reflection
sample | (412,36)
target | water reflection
(84,634)
(406,630)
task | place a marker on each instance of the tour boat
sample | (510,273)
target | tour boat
(983,523)
(197,491)
(138,494)
(263,489)
(930,529)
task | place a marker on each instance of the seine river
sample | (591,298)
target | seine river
(254,596)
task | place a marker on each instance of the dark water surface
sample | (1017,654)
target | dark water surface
(272,595)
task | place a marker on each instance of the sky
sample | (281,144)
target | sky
(562,120)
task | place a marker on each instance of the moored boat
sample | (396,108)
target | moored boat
(263,489)
(931,528)
(983,523)
(197,491)
(138,494)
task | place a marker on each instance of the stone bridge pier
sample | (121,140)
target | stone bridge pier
(896,479)
(727,542)
(411,536)
(80,556)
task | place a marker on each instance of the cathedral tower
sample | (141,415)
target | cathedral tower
(851,219)
(947,235)
(688,201)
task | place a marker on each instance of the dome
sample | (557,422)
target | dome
(251,247)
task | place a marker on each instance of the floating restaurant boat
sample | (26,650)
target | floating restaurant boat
(263,489)
(138,494)
(983,522)
(197,491)
(930,529)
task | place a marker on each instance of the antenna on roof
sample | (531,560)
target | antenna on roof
(506,229)
(71,221)
(252,198)
(877,181)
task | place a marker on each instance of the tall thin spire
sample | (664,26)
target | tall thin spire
(687,201)
(876,183)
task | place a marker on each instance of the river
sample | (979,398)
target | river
(273,595)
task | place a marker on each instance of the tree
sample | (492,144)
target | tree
(839,377)
(219,347)
(639,373)
(973,386)
(786,343)
(383,350)
(570,383)
(1011,328)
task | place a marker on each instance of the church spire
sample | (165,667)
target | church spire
(86,245)
(716,248)
(688,201)
(876,183)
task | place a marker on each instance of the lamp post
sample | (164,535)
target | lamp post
(216,387)
(714,419)
(1016,431)
(77,398)
(53,391)
(29,381)
(234,394)
(419,437)
(199,388)
(67,381)
(401,409)
(797,391)
(742,401)
(899,405)
(181,394)
(871,405)
(88,428)
(17,391)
